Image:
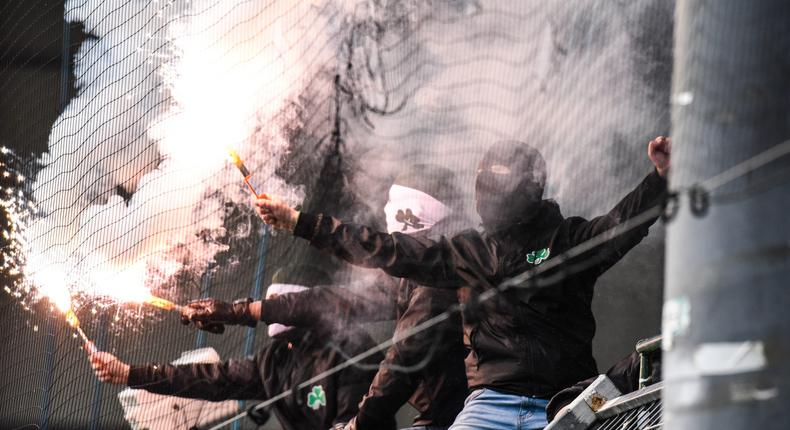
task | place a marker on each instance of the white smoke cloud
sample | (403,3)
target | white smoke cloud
(564,76)
(136,166)
(137,162)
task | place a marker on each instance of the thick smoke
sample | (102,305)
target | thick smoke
(585,82)
(136,177)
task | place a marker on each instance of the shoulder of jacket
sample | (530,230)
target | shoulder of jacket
(573,221)
(468,235)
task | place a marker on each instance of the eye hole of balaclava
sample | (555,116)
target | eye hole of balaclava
(499,169)
(509,186)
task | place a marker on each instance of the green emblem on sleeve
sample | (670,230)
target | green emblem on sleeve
(316,398)
(539,256)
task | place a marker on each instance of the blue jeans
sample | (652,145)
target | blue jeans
(425,428)
(486,409)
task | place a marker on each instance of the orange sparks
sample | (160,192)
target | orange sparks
(74,322)
(72,319)
(161,303)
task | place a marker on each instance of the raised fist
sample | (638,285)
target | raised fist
(659,150)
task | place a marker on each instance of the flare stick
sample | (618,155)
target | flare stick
(244,172)
(163,304)
(74,322)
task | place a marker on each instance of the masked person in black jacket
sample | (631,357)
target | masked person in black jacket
(526,344)
(293,356)
(427,370)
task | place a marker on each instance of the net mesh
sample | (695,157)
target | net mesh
(110,108)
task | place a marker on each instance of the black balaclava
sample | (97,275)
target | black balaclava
(509,187)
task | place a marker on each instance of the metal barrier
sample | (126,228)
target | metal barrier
(601,406)
(640,410)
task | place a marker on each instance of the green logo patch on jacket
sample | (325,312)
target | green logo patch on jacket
(539,256)
(316,398)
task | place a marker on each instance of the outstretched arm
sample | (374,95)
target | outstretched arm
(648,194)
(233,379)
(331,305)
(318,306)
(417,258)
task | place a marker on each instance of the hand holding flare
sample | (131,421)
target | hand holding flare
(277,213)
(74,322)
(105,365)
(212,315)
(108,368)
(274,211)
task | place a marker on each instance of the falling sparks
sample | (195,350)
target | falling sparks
(87,248)
(32,276)
(17,215)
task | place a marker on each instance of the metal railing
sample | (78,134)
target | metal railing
(640,410)
(601,406)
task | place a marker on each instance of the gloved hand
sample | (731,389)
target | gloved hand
(212,315)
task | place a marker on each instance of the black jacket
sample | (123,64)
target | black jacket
(427,370)
(280,366)
(529,344)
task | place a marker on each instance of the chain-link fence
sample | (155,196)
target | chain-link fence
(117,115)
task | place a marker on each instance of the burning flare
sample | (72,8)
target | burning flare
(234,157)
(74,322)
(161,303)
(64,305)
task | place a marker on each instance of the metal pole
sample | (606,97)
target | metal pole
(51,325)
(726,326)
(200,340)
(256,294)
(49,363)
(101,344)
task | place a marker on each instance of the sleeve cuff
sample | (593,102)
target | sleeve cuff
(140,375)
(656,180)
(307,225)
(272,311)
